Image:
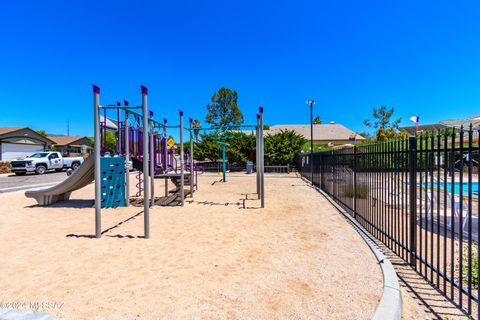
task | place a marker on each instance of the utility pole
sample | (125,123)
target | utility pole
(68,127)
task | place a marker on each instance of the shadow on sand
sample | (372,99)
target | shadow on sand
(90,236)
(73,204)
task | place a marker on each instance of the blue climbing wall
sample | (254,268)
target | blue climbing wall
(112,171)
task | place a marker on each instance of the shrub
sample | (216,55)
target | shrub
(282,147)
(4,166)
(474,269)
(361,191)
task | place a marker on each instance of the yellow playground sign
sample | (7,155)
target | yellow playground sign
(170,142)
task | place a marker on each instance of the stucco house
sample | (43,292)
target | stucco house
(72,145)
(18,142)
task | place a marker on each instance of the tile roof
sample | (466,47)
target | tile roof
(459,123)
(328,132)
(65,140)
(5,130)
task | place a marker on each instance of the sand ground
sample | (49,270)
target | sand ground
(212,259)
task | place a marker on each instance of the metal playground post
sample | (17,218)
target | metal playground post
(182,164)
(165,151)
(96,154)
(257,154)
(152,162)
(146,192)
(191,158)
(262,159)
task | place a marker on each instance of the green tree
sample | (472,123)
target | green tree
(369,138)
(387,134)
(111,142)
(317,120)
(42,133)
(196,124)
(224,110)
(241,149)
(206,148)
(282,147)
(385,127)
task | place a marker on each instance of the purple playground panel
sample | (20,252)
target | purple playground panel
(163,144)
(135,140)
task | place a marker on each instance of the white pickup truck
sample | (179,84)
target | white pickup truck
(41,162)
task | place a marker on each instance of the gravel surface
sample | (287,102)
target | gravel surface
(295,259)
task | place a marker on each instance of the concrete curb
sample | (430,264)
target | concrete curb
(390,305)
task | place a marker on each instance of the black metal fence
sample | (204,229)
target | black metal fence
(277,169)
(419,196)
(212,166)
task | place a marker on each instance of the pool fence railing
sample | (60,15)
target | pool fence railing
(419,197)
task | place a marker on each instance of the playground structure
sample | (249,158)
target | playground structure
(141,139)
(143,143)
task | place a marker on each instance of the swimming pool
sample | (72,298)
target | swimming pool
(457,186)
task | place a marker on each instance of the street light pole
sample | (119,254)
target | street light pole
(311,103)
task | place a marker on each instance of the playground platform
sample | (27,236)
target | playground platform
(219,256)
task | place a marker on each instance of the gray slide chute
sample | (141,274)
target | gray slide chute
(79,179)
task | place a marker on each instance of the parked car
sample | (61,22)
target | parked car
(41,162)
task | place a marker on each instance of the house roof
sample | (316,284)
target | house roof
(425,127)
(473,120)
(326,132)
(5,130)
(9,130)
(465,123)
(65,140)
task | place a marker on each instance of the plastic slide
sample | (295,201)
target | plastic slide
(81,177)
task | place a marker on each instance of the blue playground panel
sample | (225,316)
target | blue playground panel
(112,173)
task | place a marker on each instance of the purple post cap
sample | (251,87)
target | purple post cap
(190,120)
(150,113)
(164,120)
(260,109)
(144,89)
(96,89)
(125,102)
(180,112)
(118,103)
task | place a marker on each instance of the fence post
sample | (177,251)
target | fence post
(354,182)
(412,150)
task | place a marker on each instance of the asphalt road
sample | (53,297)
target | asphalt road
(11,182)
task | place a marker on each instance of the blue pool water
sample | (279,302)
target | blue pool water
(456,187)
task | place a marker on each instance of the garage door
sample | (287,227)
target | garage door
(12,151)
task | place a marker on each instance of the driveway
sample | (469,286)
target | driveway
(11,182)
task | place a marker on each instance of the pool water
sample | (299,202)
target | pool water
(457,186)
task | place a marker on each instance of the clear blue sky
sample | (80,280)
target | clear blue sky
(350,56)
